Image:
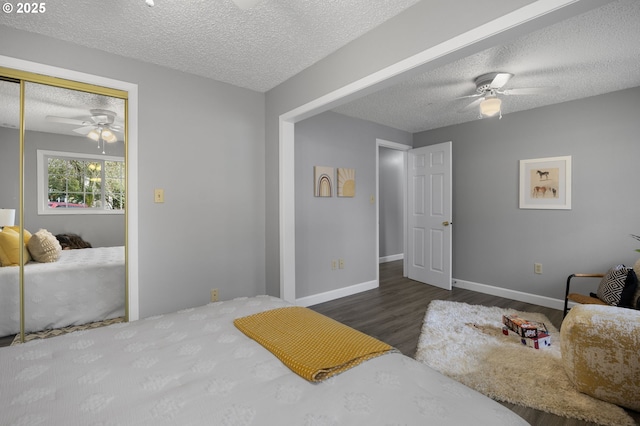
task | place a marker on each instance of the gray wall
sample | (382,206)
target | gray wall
(203,142)
(100,230)
(495,242)
(338,227)
(391,175)
(420,27)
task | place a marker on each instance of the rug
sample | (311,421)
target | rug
(45,334)
(465,342)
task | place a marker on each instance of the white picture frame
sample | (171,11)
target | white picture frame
(545,183)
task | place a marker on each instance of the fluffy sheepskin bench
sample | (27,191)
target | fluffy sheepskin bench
(600,348)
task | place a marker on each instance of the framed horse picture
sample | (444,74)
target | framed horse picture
(545,183)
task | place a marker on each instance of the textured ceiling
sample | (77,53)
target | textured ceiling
(257,48)
(590,54)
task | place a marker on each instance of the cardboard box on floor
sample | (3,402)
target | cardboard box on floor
(542,341)
(523,327)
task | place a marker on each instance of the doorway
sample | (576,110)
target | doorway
(426,211)
(391,196)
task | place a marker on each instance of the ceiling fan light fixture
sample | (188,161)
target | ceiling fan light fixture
(94,135)
(108,136)
(490,107)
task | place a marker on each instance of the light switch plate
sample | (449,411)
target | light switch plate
(158,195)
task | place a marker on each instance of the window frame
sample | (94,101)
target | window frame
(43,182)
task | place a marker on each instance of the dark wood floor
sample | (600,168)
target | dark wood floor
(394,312)
(6,340)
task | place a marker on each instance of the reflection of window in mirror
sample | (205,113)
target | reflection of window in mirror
(74,183)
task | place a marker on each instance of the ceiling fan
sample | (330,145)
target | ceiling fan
(100,125)
(488,87)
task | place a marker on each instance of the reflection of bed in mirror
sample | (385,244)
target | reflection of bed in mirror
(82,286)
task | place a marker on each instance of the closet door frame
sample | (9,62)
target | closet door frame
(24,71)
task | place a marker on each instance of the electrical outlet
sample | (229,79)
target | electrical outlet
(334,265)
(537,268)
(341,263)
(214,295)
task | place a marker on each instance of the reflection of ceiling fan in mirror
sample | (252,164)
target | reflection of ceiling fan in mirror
(99,126)
(489,86)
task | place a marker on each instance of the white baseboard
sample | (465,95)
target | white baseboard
(336,294)
(468,285)
(391,258)
(510,294)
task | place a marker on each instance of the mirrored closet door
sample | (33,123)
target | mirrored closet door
(9,206)
(72,205)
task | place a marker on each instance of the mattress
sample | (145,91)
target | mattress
(193,367)
(82,286)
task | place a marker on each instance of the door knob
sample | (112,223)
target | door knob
(447,223)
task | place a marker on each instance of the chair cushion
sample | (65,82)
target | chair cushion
(613,285)
(599,346)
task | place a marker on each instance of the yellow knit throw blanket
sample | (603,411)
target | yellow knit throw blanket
(312,345)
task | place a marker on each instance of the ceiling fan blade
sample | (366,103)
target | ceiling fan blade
(246,4)
(500,80)
(65,120)
(84,130)
(527,91)
(475,95)
(472,105)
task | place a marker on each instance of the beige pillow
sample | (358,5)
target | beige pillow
(44,247)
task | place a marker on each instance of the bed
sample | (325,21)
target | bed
(82,286)
(194,367)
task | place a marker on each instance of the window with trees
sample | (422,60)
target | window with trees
(72,183)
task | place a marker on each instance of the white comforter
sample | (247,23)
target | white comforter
(194,367)
(82,286)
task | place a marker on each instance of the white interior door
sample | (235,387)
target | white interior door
(429,215)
